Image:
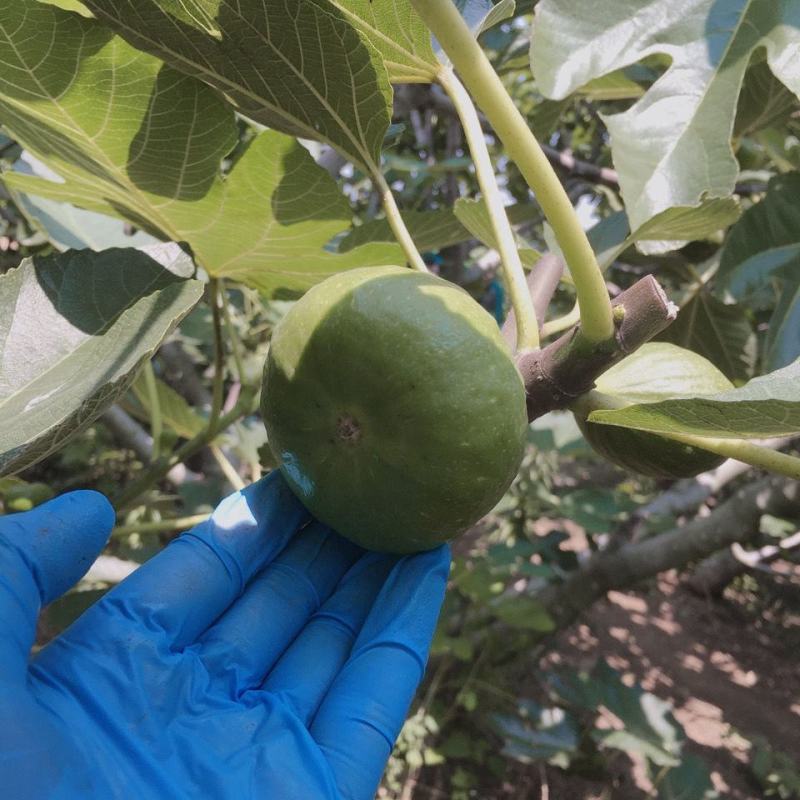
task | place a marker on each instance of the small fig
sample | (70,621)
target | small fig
(657,371)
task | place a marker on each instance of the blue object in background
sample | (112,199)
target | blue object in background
(260,655)
(498,295)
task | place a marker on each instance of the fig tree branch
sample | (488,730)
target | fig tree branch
(156,423)
(542,282)
(559,373)
(686,496)
(525,318)
(455,37)
(730,522)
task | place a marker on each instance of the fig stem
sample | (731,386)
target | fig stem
(567,368)
(480,78)
(742,450)
(562,323)
(246,404)
(395,220)
(233,336)
(218,388)
(156,422)
(527,324)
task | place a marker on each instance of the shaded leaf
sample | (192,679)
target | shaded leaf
(474,216)
(297,66)
(523,612)
(672,147)
(648,725)
(98,316)
(719,332)
(176,413)
(431,230)
(690,780)
(763,102)
(68,227)
(766,406)
(540,734)
(760,263)
(774,222)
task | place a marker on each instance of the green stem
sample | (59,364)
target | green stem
(160,468)
(234,478)
(744,451)
(562,323)
(218,387)
(455,37)
(164,525)
(521,300)
(156,422)
(396,222)
(233,336)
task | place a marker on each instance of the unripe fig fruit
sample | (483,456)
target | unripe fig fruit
(655,372)
(394,407)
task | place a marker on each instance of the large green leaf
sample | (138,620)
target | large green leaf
(131,137)
(74,329)
(297,66)
(648,726)
(766,406)
(761,264)
(672,147)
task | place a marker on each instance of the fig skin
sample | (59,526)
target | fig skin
(645,453)
(394,408)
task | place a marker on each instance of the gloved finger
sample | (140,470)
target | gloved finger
(247,640)
(305,672)
(187,586)
(43,553)
(361,716)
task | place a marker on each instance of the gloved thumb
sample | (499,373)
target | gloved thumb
(43,553)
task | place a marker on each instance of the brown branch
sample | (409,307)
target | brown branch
(734,520)
(558,374)
(543,281)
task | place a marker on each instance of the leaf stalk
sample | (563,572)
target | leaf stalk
(521,300)
(480,78)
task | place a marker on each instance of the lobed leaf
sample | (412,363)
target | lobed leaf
(672,147)
(133,138)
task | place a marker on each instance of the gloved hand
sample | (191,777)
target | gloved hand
(252,658)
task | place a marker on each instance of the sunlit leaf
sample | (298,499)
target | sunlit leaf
(672,147)
(297,66)
(766,406)
(148,147)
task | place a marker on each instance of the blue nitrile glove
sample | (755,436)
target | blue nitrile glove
(252,658)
